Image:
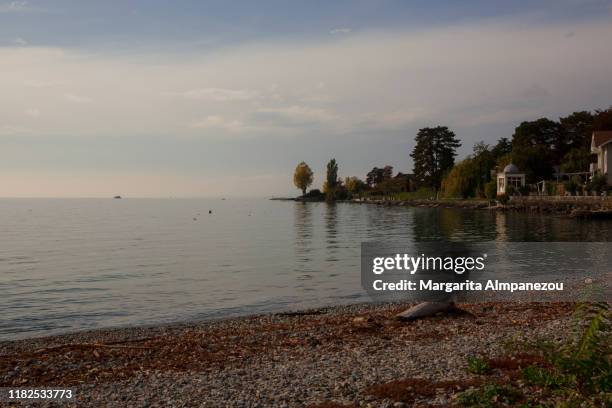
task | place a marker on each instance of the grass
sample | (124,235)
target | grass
(490,396)
(577,373)
(478,365)
(421,194)
(543,377)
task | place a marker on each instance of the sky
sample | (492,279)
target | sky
(152,98)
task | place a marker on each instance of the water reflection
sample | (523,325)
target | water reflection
(331,232)
(303,228)
(442,234)
(249,256)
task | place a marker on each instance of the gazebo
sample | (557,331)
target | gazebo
(511,176)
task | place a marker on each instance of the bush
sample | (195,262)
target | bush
(598,183)
(477,365)
(491,190)
(314,193)
(491,395)
(588,358)
(524,190)
(571,187)
(575,373)
(542,377)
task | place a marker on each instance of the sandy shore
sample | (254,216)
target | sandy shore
(342,355)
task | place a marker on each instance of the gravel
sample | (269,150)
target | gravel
(278,360)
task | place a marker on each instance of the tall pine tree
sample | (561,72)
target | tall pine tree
(433,155)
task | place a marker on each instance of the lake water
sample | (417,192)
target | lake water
(74,264)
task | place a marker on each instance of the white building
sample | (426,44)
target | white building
(601,144)
(511,176)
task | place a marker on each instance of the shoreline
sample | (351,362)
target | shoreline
(287,359)
(572,206)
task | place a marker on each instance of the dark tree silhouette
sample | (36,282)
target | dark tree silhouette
(433,155)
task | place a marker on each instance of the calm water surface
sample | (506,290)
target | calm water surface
(74,264)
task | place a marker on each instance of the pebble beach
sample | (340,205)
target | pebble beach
(344,356)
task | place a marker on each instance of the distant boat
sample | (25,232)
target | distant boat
(117,197)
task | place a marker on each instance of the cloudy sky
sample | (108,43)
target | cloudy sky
(218,98)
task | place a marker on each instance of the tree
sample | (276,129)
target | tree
(577,128)
(332,174)
(377,176)
(302,177)
(503,146)
(387,172)
(433,155)
(503,161)
(576,160)
(331,180)
(472,176)
(491,189)
(537,146)
(354,185)
(603,119)
(461,180)
(390,186)
(483,162)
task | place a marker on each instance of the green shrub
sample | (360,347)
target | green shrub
(491,190)
(543,377)
(524,190)
(581,369)
(570,187)
(422,193)
(314,193)
(588,357)
(574,374)
(477,365)
(598,183)
(489,396)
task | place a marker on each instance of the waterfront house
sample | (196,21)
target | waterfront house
(510,177)
(601,145)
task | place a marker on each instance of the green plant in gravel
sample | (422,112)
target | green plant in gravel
(581,369)
(588,359)
(543,377)
(490,396)
(478,365)
(577,373)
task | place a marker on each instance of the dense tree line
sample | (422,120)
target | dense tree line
(536,147)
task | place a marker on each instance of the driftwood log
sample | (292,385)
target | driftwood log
(426,309)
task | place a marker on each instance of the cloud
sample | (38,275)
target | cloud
(340,31)
(77,98)
(33,83)
(20,41)
(293,116)
(536,91)
(18,7)
(32,112)
(214,122)
(262,107)
(219,94)
(392,81)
